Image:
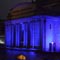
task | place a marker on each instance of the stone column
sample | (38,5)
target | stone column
(14,36)
(41,37)
(44,42)
(17,34)
(28,35)
(25,34)
(21,34)
(7,35)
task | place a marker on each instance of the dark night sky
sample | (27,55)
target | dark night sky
(5,5)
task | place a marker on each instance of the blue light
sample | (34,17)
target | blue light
(52,31)
(25,34)
(17,35)
(32,53)
(34,27)
(8,35)
(53,34)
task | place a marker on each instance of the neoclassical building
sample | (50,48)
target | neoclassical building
(27,27)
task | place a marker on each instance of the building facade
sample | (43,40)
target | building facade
(26,28)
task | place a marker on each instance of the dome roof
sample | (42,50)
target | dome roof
(22,10)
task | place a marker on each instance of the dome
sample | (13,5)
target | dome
(22,10)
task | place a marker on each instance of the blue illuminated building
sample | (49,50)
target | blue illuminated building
(35,32)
